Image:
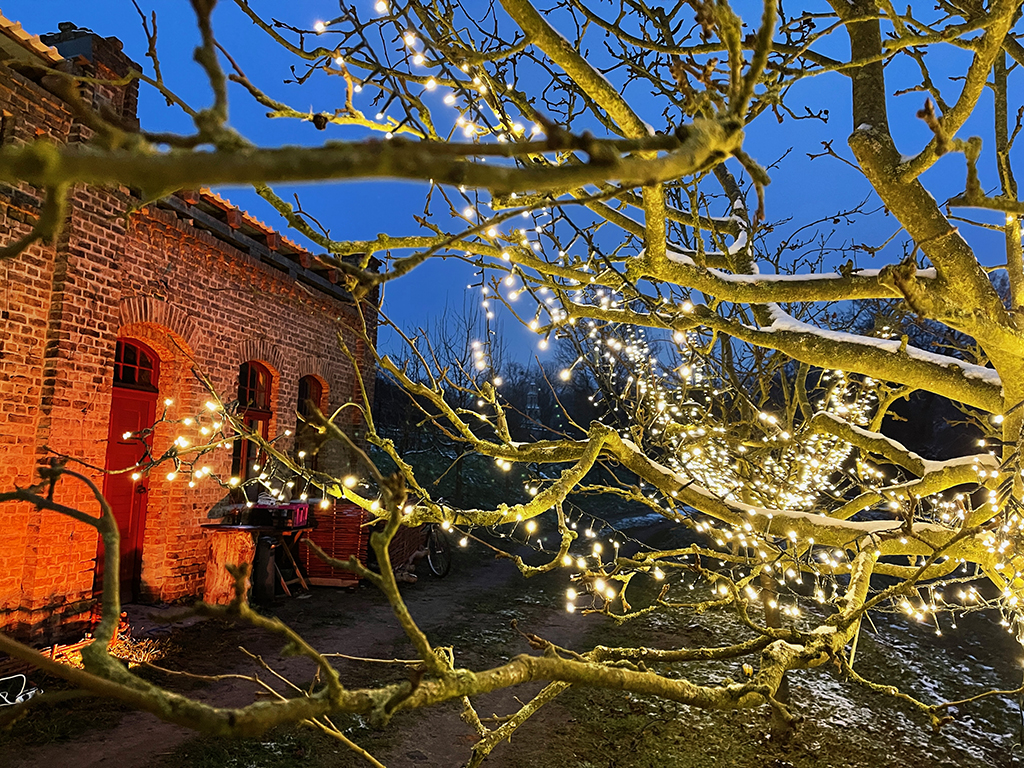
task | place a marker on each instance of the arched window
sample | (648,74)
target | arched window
(311,394)
(135,366)
(254,388)
(255,384)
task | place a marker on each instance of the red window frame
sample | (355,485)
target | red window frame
(136,366)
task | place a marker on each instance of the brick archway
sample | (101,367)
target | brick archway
(147,309)
(321,382)
(262,350)
(313,366)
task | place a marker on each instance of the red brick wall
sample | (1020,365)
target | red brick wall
(31,291)
(197,301)
(204,304)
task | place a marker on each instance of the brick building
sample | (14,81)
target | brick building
(188,283)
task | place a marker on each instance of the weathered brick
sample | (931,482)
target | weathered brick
(195,300)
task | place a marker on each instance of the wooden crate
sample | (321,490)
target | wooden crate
(405,544)
(340,533)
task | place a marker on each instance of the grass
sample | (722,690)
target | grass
(292,747)
(844,724)
(63,722)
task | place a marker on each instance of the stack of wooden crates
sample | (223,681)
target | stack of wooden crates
(342,532)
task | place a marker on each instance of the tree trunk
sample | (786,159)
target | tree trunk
(458,480)
(781,730)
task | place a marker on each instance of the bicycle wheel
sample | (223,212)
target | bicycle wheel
(439,552)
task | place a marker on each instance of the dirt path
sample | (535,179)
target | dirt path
(472,610)
(462,607)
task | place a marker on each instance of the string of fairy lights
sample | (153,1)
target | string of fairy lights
(592,571)
(675,406)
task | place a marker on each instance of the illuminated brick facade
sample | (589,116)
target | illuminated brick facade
(196,281)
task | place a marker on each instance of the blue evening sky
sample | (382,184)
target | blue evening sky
(801,190)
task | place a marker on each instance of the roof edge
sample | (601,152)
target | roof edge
(29,42)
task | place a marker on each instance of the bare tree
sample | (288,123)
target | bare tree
(616,131)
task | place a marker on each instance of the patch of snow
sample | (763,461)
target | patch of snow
(928,274)
(739,243)
(782,321)
(981,459)
(758,277)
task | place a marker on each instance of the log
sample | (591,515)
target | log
(225,548)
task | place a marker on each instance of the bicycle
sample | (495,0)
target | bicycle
(439,550)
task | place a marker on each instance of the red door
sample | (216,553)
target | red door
(131,411)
